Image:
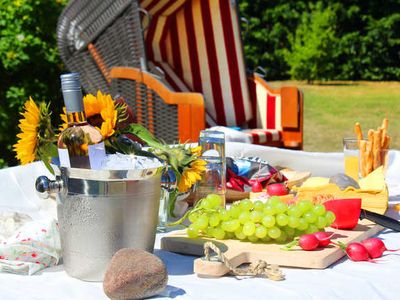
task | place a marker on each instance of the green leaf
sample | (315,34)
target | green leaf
(171,202)
(145,135)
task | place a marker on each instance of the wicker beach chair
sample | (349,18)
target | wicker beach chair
(96,35)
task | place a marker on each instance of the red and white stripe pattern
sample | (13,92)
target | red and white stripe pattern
(200,41)
(266,105)
(264,136)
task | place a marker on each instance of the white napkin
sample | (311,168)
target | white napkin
(33,247)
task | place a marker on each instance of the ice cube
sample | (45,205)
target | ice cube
(121,161)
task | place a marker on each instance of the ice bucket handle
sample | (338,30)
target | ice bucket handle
(46,187)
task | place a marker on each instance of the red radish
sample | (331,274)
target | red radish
(277,189)
(324,238)
(308,242)
(375,247)
(256,187)
(357,252)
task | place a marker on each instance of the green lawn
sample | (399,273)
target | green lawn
(330,111)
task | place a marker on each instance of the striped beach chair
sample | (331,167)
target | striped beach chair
(197,43)
(193,52)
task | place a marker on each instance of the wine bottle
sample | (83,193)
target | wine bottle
(80,145)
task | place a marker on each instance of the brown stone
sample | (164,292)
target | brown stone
(134,274)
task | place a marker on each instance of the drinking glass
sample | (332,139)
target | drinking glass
(351,157)
(213,152)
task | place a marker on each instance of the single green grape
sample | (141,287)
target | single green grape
(256,216)
(192,232)
(193,217)
(319,210)
(209,231)
(305,206)
(206,203)
(274,232)
(294,211)
(321,222)
(244,217)
(235,224)
(260,232)
(269,210)
(268,221)
(201,222)
(218,233)
(289,230)
(234,211)
(249,228)
(239,233)
(310,217)
(330,217)
(303,224)
(215,200)
(282,238)
(214,220)
(252,238)
(223,214)
(230,226)
(258,206)
(224,225)
(282,219)
(293,222)
(246,205)
(311,228)
(281,207)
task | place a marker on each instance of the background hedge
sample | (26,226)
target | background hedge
(303,40)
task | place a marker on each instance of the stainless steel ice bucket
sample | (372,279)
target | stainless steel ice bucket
(100,212)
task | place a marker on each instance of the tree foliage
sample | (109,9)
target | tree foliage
(323,40)
(30,64)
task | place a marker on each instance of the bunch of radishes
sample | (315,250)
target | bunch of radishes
(367,250)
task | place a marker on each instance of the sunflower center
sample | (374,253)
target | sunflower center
(95,120)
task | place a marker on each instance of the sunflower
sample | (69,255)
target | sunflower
(36,133)
(102,112)
(191,174)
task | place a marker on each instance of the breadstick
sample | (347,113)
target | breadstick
(357,129)
(381,134)
(376,149)
(369,158)
(371,135)
(387,142)
(385,124)
(363,158)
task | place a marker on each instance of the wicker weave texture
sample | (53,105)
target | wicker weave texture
(150,110)
(112,26)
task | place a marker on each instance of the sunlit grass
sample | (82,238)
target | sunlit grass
(330,111)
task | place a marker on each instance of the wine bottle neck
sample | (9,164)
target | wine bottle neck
(76,118)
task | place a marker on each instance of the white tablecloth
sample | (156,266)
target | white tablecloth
(343,280)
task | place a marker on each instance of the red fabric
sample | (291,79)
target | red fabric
(220,61)
(232,58)
(271,100)
(193,53)
(213,63)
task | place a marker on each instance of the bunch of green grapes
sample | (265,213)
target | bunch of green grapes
(273,221)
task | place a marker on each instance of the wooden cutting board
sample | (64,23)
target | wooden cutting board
(239,252)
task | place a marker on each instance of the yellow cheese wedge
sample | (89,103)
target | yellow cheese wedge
(373,191)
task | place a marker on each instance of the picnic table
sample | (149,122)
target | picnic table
(343,280)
